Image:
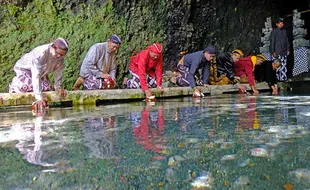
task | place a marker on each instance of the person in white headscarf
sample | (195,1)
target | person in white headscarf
(32,71)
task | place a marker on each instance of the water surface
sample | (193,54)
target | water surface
(218,142)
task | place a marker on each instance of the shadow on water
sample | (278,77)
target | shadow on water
(229,141)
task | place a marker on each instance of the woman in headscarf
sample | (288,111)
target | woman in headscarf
(244,68)
(32,71)
(146,69)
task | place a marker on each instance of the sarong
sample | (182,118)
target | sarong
(22,82)
(134,81)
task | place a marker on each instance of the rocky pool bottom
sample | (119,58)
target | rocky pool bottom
(228,141)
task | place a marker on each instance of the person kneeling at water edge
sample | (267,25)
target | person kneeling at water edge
(222,71)
(99,66)
(32,71)
(146,69)
(192,62)
(270,73)
(244,68)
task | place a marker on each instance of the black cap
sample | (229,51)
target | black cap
(115,39)
(210,49)
(280,20)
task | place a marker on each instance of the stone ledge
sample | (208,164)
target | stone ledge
(90,97)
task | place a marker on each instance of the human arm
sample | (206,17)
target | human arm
(225,65)
(58,80)
(159,73)
(273,44)
(206,73)
(287,45)
(113,67)
(250,75)
(275,90)
(192,70)
(58,72)
(36,67)
(273,82)
(142,61)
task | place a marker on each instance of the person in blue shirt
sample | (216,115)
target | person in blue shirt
(193,62)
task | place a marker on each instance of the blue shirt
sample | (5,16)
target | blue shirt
(195,61)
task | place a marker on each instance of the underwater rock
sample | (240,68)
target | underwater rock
(203,181)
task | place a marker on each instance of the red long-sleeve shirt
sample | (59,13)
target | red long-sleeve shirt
(245,66)
(143,65)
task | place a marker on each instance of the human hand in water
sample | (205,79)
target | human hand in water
(275,90)
(242,88)
(61,92)
(197,93)
(255,92)
(39,107)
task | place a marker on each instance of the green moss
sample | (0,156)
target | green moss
(48,97)
(12,102)
(41,22)
(89,100)
(156,93)
(136,96)
(78,99)
(24,100)
(75,96)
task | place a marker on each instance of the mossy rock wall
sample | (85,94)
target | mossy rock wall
(178,25)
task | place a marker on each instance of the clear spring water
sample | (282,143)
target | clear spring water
(218,142)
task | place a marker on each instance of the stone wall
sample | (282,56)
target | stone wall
(179,25)
(192,25)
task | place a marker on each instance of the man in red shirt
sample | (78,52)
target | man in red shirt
(146,69)
(244,69)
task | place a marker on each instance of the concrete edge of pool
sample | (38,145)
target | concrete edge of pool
(90,97)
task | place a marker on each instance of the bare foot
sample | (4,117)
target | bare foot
(173,80)
(124,83)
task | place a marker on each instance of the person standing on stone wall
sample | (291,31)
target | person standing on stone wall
(279,48)
(99,65)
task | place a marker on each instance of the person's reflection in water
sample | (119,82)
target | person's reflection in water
(248,117)
(30,141)
(186,116)
(149,131)
(100,136)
